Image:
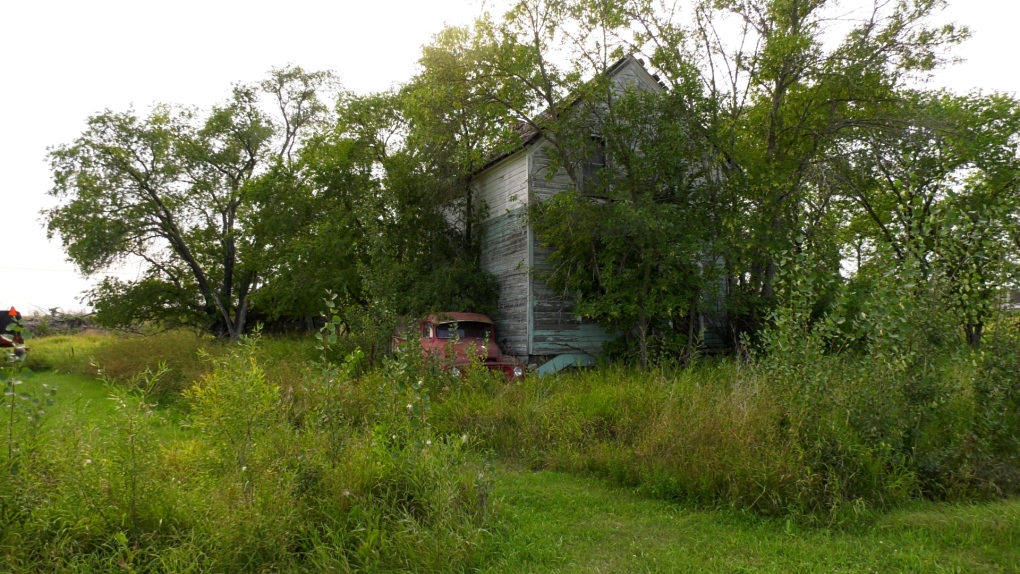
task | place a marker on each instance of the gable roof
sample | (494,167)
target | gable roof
(529,134)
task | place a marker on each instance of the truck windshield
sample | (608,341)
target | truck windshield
(464,330)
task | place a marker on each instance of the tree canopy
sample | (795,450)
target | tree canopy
(777,128)
(174,189)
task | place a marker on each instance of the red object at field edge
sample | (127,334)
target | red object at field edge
(476,335)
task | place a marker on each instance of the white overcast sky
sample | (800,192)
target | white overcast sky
(65,60)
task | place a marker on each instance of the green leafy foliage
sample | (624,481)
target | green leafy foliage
(373,222)
(24,405)
(894,363)
(250,482)
(997,407)
(171,189)
(784,95)
(935,191)
(634,246)
(853,226)
(758,131)
(236,406)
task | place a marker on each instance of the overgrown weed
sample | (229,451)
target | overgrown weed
(187,355)
(254,487)
(358,469)
(832,441)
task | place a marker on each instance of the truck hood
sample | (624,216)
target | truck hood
(465,350)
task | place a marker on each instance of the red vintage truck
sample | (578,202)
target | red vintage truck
(456,336)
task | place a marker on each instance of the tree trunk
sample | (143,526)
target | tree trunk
(974,332)
(692,317)
(642,328)
(468,216)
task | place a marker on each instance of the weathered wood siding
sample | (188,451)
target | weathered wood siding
(554,327)
(632,75)
(504,253)
(503,187)
(503,190)
(542,185)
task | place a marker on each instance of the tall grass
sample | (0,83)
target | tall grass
(247,486)
(286,465)
(709,435)
(830,439)
(188,356)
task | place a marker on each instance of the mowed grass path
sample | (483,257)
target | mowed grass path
(565,523)
(82,398)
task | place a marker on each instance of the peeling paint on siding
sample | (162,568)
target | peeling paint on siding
(504,187)
(531,317)
(504,253)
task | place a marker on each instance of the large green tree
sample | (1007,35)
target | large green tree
(453,125)
(761,89)
(634,245)
(382,213)
(173,189)
(786,84)
(939,189)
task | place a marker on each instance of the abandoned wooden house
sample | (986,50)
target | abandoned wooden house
(534,322)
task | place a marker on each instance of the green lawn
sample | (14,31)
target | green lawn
(565,523)
(81,398)
(558,522)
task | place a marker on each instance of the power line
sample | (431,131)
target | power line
(63,270)
(38,269)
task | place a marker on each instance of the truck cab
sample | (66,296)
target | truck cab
(462,338)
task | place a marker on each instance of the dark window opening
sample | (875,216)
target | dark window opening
(464,330)
(591,170)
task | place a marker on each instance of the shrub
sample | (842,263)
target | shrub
(120,357)
(995,442)
(249,487)
(829,422)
